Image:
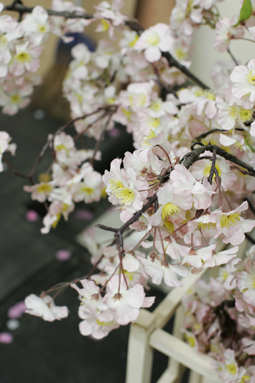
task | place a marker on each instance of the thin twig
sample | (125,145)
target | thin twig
(232,56)
(212,170)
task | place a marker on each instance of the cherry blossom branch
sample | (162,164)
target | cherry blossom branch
(102,136)
(232,56)
(212,170)
(204,135)
(192,156)
(17,6)
(49,143)
(172,62)
(16,172)
(187,161)
(118,232)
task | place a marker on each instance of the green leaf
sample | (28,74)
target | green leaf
(245,12)
(249,146)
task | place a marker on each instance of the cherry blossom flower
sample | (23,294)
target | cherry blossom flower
(40,192)
(36,25)
(97,325)
(160,270)
(124,302)
(226,31)
(153,41)
(5,146)
(45,307)
(243,78)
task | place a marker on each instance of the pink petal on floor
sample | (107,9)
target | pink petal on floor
(63,255)
(17,310)
(6,337)
(84,214)
(32,216)
(115,132)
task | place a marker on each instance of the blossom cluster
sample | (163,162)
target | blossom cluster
(70,179)
(180,200)
(213,323)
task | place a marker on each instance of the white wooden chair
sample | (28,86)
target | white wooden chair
(146,334)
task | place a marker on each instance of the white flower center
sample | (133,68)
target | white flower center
(152,39)
(251,77)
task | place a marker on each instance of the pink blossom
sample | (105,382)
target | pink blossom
(124,302)
(36,25)
(160,270)
(45,307)
(225,31)
(243,78)
(154,40)
(5,146)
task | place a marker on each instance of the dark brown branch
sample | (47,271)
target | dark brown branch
(203,135)
(250,205)
(212,170)
(16,172)
(172,62)
(119,232)
(193,156)
(101,137)
(233,57)
(17,6)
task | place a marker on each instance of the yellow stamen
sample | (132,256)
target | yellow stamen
(231,368)
(105,25)
(190,341)
(169,209)
(15,98)
(180,54)
(87,190)
(44,177)
(210,95)
(132,43)
(115,185)
(44,188)
(54,225)
(154,122)
(245,378)
(156,106)
(126,195)
(126,113)
(224,275)
(60,147)
(233,112)
(150,135)
(104,323)
(239,146)
(103,193)
(141,99)
(58,216)
(251,77)
(244,114)
(23,57)
(199,92)
(42,29)
(229,220)
(208,225)
(251,281)
(169,225)
(152,39)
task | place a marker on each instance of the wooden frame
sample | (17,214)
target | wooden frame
(146,334)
